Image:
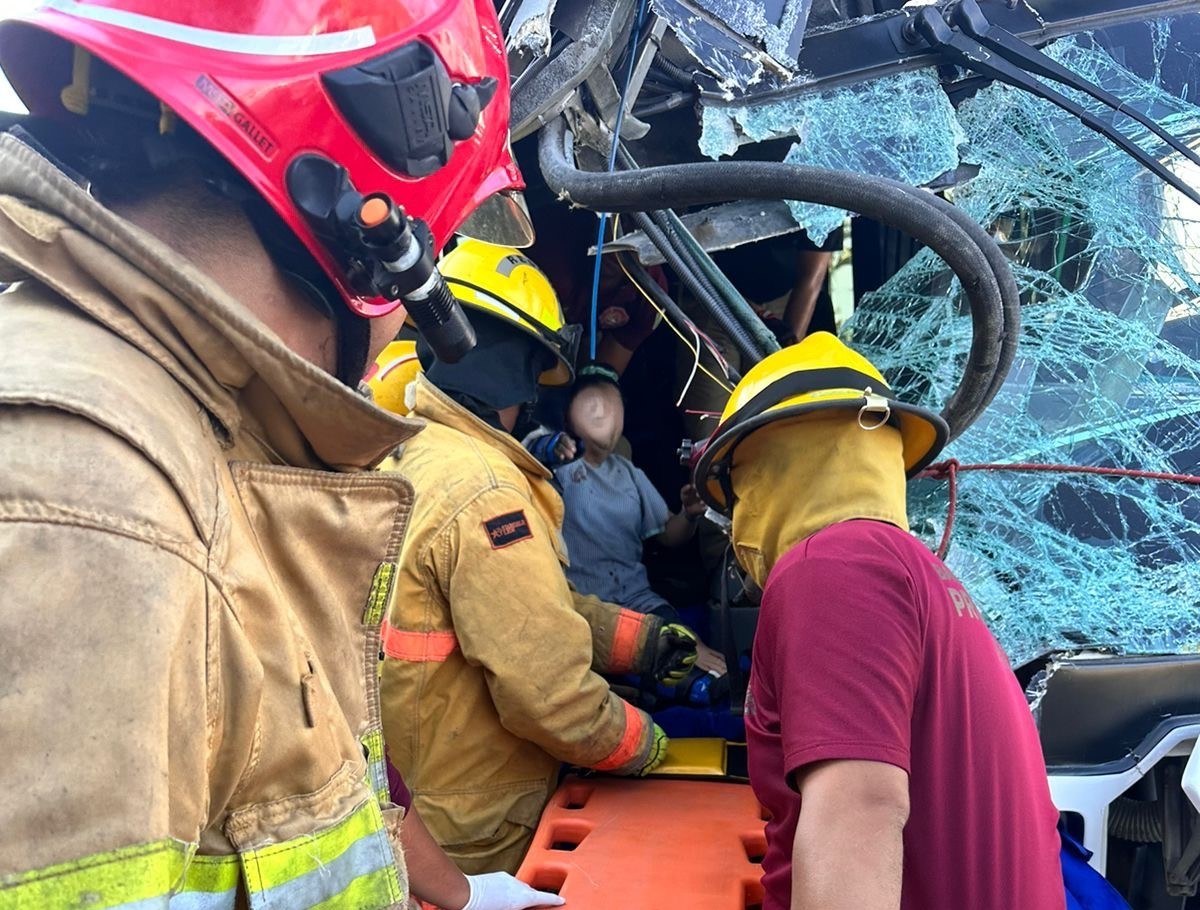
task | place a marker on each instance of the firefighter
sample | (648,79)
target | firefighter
(488,681)
(194,557)
(889,740)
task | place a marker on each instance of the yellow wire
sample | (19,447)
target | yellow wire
(667,319)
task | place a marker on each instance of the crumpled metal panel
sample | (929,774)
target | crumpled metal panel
(739,41)
(529,31)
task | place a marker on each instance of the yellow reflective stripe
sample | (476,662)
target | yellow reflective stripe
(212,873)
(352,858)
(376,765)
(381,593)
(128,877)
(370,892)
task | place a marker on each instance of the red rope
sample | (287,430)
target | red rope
(950,469)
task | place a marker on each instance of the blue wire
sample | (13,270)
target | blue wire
(612,163)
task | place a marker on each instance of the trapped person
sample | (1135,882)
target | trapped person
(612,508)
(193,547)
(490,678)
(887,735)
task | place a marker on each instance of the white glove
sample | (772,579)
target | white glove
(500,891)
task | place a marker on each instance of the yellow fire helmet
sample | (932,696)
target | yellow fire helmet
(503,283)
(391,374)
(816,374)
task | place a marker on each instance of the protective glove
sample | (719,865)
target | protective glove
(675,655)
(500,891)
(652,757)
(551,449)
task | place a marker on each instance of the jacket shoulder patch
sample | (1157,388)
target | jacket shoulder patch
(507,529)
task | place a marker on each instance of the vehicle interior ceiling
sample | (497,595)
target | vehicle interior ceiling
(1080,225)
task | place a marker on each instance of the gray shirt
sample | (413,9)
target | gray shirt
(610,511)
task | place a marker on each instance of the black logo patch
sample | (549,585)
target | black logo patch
(507,529)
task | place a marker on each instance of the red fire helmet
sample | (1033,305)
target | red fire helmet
(409,97)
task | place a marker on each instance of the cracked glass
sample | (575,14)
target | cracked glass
(900,126)
(1108,369)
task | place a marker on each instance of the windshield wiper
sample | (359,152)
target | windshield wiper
(976,44)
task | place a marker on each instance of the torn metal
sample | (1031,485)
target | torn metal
(594,28)
(740,42)
(528,27)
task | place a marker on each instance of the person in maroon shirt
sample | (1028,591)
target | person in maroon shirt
(889,740)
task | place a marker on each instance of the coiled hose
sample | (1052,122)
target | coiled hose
(968,250)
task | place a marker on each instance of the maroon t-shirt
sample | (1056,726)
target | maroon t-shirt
(869,648)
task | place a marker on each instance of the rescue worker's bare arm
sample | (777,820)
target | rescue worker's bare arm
(432,876)
(514,615)
(812,266)
(435,879)
(848,853)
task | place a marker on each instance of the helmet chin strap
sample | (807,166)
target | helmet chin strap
(353,345)
(352,333)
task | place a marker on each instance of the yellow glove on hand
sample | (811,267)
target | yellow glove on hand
(676,654)
(651,754)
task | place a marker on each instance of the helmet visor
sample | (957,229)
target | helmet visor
(569,338)
(501,219)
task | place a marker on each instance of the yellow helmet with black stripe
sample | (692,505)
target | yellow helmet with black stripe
(390,375)
(816,374)
(504,283)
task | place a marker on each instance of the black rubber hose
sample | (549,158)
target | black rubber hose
(673,71)
(765,341)
(930,220)
(1009,294)
(662,105)
(922,215)
(684,255)
(716,300)
(704,295)
(637,272)
(712,277)
(1010,298)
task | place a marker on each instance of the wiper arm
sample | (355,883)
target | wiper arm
(970,18)
(929,24)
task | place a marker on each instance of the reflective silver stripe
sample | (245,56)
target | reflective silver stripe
(187,900)
(204,900)
(370,854)
(259,45)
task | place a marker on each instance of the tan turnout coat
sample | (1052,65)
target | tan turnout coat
(490,680)
(193,565)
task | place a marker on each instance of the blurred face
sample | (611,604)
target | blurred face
(597,416)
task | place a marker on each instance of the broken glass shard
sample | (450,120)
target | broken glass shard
(900,126)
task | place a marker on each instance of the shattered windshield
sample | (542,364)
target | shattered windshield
(1108,370)
(1106,256)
